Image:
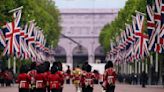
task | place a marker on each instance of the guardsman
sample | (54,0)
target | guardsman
(32,73)
(23,79)
(109,77)
(61,74)
(54,80)
(40,80)
(87,80)
(97,76)
(77,77)
(46,74)
(68,75)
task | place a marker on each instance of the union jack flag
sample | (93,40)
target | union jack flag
(156,26)
(31,40)
(142,44)
(12,33)
(2,38)
(24,53)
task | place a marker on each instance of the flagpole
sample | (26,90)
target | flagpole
(139,67)
(9,63)
(156,62)
(140,12)
(14,65)
(146,66)
(135,66)
(16,9)
(142,63)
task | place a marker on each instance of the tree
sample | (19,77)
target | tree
(45,13)
(110,31)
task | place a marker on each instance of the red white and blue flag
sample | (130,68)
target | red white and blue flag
(31,40)
(2,39)
(12,34)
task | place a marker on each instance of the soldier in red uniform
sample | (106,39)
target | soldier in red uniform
(97,76)
(32,73)
(46,74)
(40,80)
(109,77)
(23,79)
(87,80)
(60,73)
(54,80)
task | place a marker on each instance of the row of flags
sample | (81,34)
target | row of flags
(133,42)
(25,43)
(155,26)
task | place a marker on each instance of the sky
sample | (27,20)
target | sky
(90,3)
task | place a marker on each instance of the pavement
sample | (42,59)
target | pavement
(97,88)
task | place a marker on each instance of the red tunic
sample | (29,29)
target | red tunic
(97,76)
(109,77)
(40,80)
(23,80)
(54,81)
(46,74)
(32,74)
(61,75)
(87,79)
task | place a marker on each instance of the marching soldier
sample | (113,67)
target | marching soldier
(109,77)
(97,76)
(40,79)
(46,74)
(68,75)
(24,80)
(54,80)
(77,77)
(60,73)
(87,80)
(32,73)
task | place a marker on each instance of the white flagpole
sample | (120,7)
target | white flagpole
(135,66)
(142,66)
(16,9)
(146,66)
(9,63)
(151,59)
(156,63)
(14,65)
(139,67)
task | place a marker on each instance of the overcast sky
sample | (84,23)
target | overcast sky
(90,3)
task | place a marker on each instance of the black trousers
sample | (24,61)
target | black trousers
(67,81)
(23,90)
(110,88)
(40,90)
(55,90)
(87,89)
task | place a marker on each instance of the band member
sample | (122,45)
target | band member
(46,74)
(87,80)
(32,73)
(23,79)
(61,74)
(68,75)
(40,79)
(77,77)
(109,77)
(97,76)
(54,80)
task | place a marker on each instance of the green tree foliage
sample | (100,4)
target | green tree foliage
(110,31)
(44,12)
